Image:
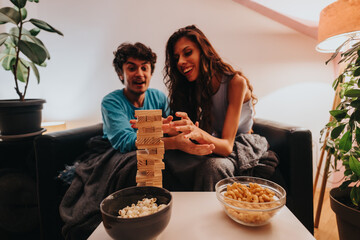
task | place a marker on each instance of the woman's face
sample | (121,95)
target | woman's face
(187,56)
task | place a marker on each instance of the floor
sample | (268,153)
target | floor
(327,229)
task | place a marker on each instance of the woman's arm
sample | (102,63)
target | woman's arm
(238,93)
(178,140)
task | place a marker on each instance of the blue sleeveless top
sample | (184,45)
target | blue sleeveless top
(219,108)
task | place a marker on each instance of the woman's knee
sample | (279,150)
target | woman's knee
(222,166)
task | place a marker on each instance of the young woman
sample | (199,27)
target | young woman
(213,106)
(204,89)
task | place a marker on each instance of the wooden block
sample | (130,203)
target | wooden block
(159,151)
(145,154)
(143,164)
(150,161)
(154,157)
(151,129)
(147,141)
(148,112)
(149,146)
(155,124)
(141,119)
(142,177)
(154,118)
(154,184)
(147,135)
(150,173)
(157,183)
(152,151)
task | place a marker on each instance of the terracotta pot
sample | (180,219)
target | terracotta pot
(347,218)
(20,117)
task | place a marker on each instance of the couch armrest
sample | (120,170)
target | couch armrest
(52,152)
(294,148)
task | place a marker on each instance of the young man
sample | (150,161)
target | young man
(134,64)
(111,165)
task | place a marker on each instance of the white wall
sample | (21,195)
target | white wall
(289,77)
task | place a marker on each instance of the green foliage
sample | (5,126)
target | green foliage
(344,139)
(21,50)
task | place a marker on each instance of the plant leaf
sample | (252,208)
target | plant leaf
(357,72)
(3,37)
(357,136)
(35,31)
(355,104)
(331,124)
(9,60)
(23,12)
(8,14)
(336,131)
(356,115)
(338,114)
(345,143)
(348,172)
(33,51)
(355,195)
(337,50)
(19,3)
(45,26)
(22,71)
(338,80)
(36,71)
(354,165)
(357,62)
(345,184)
(352,93)
(33,39)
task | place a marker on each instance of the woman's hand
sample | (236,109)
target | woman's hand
(166,127)
(191,130)
(184,144)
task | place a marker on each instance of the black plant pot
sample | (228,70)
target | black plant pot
(20,117)
(347,218)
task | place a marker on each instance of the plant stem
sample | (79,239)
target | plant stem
(27,81)
(22,96)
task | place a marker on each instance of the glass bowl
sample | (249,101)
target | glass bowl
(249,209)
(135,228)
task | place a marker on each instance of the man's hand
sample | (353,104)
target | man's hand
(165,125)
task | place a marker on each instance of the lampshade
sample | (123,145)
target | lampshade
(338,21)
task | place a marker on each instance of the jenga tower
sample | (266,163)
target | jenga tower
(150,151)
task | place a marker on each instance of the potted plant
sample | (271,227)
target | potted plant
(21,51)
(343,142)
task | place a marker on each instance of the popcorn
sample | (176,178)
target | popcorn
(144,207)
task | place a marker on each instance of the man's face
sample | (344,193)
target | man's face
(137,75)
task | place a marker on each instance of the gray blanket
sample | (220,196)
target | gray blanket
(103,170)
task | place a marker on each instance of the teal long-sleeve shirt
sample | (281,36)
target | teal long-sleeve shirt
(117,111)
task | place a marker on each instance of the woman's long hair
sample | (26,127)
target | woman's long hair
(194,98)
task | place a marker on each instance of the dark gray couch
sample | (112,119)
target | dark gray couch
(292,144)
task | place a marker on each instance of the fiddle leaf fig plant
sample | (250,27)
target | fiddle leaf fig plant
(343,142)
(20,49)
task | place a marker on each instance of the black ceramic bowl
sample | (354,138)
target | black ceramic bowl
(139,228)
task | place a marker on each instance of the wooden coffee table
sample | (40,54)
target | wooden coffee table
(199,215)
